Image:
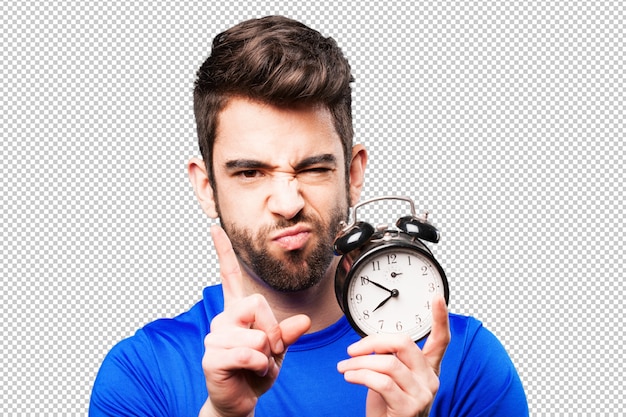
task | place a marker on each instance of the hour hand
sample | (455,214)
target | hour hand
(382,303)
(394,293)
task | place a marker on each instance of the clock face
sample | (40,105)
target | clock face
(391,292)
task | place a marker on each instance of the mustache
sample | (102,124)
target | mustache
(334,226)
(283,223)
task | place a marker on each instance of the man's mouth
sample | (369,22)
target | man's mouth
(293,238)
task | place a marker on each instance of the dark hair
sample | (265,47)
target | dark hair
(275,60)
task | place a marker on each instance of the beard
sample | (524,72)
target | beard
(300,269)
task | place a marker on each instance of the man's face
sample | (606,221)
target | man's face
(281,189)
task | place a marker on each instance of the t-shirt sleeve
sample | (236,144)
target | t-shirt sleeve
(158,371)
(127,384)
(486,382)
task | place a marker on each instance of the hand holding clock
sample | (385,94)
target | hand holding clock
(402,379)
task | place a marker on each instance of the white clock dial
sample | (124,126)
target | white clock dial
(391,292)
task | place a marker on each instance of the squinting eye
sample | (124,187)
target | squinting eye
(249,173)
(319,170)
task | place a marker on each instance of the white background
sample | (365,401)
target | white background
(505,119)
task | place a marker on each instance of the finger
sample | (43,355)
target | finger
(235,359)
(252,312)
(381,344)
(230,271)
(439,337)
(237,337)
(388,365)
(398,346)
(293,327)
(381,383)
(397,400)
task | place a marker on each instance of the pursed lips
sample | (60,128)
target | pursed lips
(293,238)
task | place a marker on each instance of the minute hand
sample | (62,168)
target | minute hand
(380,286)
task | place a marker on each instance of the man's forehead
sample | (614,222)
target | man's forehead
(249,129)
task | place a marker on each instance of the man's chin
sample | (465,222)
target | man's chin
(287,276)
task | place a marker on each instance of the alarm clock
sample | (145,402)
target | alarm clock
(386,278)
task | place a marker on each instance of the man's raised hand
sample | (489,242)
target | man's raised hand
(246,344)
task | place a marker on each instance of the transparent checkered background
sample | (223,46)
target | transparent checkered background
(505,119)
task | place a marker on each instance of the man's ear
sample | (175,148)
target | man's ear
(199,179)
(357,172)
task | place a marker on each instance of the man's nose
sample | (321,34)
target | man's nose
(285,199)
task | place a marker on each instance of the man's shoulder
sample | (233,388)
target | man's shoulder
(467,332)
(158,368)
(168,336)
(473,346)
(164,353)
(464,321)
(191,324)
(465,326)
(477,373)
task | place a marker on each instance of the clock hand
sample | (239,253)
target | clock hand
(382,303)
(394,293)
(395,274)
(380,286)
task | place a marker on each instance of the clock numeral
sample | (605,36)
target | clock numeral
(359,298)
(375,265)
(418,320)
(427,305)
(366,314)
(424,270)
(431,287)
(399,326)
(381,323)
(365,280)
(409,258)
(391,259)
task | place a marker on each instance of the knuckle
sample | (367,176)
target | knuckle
(258,341)
(223,323)
(243,356)
(392,363)
(208,340)
(402,341)
(386,383)
(405,340)
(433,383)
(257,300)
(208,362)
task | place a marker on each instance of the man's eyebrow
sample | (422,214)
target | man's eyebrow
(326,158)
(245,164)
(237,164)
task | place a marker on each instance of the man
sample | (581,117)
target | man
(278,168)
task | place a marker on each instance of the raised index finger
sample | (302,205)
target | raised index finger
(230,272)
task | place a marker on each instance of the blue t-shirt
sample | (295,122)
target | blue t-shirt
(158,372)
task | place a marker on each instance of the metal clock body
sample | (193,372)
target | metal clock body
(386,278)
